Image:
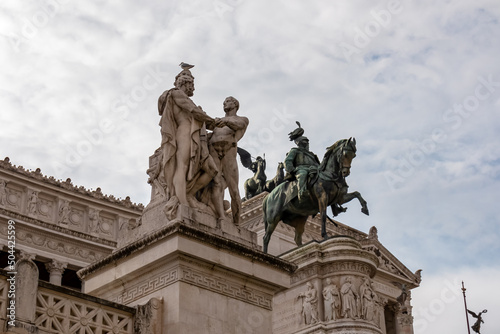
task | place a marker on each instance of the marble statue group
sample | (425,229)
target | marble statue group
(198,152)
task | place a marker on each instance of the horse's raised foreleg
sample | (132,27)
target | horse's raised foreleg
(349,196)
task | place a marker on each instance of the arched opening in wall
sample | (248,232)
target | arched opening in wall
(390,319)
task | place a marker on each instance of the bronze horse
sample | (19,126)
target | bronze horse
(256,184)
(328,188)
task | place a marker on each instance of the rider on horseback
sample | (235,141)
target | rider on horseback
(299,162)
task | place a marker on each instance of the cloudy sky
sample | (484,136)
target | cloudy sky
(416,83)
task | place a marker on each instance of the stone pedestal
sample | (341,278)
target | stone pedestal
(331,291)
(212,279)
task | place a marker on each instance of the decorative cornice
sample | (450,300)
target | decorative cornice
(68,185)
(403,271)
(185,230)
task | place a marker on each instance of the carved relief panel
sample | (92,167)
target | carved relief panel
(77,217)
(46,207)
(108,226)
(11,195)
(102,224)
(334,299)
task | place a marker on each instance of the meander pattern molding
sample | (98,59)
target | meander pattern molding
(146,287)
(227,288)
(188,275)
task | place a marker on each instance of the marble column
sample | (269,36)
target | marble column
(25,297)
(56,269)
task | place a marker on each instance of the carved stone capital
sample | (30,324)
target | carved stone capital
(23,255)
(405,319)
(148,317)
(56,266)
(56,269)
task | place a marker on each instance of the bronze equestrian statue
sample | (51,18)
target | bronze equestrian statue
(324,186)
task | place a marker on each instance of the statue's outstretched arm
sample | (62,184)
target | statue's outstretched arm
(187,105)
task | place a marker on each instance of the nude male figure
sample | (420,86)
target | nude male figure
(188,166)
(227,131)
